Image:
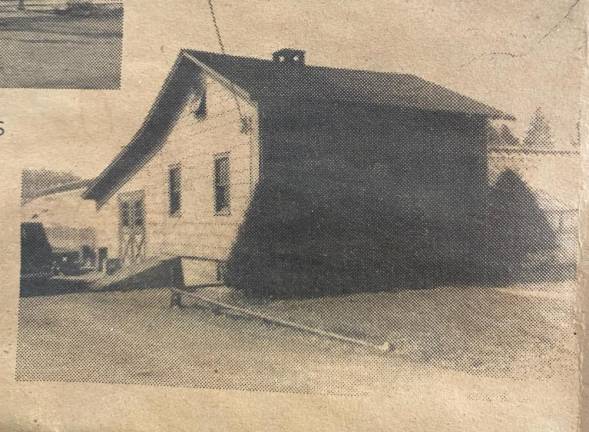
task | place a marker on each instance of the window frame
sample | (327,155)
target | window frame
(139,213)
(224,211)
(177,167)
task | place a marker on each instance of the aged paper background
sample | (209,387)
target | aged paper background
(514,55)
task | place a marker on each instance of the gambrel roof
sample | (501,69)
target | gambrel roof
(259,79)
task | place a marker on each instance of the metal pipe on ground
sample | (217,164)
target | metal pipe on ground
(177,301)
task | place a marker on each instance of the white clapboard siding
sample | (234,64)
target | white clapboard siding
(193,143)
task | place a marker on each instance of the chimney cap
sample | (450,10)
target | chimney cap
(289,56)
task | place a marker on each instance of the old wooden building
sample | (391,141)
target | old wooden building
(284,178)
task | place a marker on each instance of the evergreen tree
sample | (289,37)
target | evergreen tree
(498,137)
(508,138)
(492,136)
(539,133)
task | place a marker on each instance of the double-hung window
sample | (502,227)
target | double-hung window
(222,183)
(175,190)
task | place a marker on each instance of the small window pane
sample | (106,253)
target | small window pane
(139,212)
(222,171)
(175,192)
(222,182)
(221,271)
(125,214)
(221,200)
(199,106)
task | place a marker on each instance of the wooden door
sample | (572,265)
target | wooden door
(131,227)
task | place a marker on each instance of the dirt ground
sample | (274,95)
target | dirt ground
(51,51)
(515,333)
(502,358)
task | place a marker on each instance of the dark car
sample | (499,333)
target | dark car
(66,262)
(35,253)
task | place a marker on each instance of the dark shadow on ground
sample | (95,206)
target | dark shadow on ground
(164,274)
(52,286)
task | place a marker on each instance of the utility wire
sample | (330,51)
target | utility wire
(214,17)
(222,46)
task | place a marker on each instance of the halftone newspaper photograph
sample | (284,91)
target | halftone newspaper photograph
(375,203)
(61,43)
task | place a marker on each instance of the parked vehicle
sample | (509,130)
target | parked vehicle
(36,255)
(69,262)
(66,262)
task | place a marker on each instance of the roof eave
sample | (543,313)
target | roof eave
(230,85)
(500,115)
(92,192)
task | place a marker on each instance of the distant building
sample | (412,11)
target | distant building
(550,172)
(69,220)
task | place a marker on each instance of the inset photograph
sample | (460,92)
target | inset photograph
(73,44)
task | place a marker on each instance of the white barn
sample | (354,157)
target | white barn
(235,148)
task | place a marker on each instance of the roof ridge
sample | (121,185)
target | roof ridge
(307,66)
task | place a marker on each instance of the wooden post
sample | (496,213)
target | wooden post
(176,299)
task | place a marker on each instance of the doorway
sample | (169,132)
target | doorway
(132,227)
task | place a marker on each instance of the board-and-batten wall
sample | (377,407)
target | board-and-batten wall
(193,143)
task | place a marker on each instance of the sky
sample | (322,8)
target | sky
(513,55)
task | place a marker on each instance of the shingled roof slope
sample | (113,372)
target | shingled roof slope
(269,79)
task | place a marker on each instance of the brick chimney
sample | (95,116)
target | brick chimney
(289,56)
